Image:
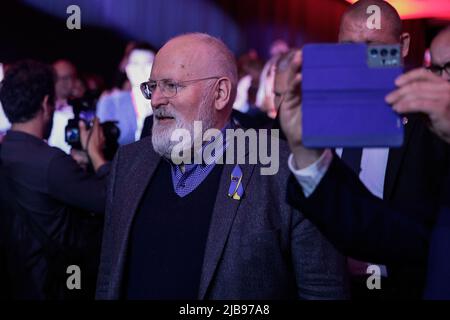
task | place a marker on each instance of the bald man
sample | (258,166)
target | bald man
(350,194)
(181,230)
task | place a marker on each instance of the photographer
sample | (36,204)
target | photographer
(46,197)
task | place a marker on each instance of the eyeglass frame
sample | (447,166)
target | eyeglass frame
(178,84)
(440,69)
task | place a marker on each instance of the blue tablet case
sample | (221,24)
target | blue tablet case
(343,92)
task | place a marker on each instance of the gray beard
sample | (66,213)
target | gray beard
(161,137)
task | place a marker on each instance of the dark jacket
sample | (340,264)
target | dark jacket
(44,191)
(393,231)
(438,271)
(257,248)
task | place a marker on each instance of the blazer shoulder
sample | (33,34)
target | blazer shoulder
(137,146)
(275,153)
(133,152)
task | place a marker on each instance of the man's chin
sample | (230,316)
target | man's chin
(163,129)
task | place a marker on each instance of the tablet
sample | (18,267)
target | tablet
(343,95)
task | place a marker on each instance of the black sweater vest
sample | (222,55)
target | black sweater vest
(168,238)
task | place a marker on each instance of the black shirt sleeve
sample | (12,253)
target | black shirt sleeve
(70,184)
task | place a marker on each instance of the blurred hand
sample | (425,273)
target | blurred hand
(422,91)
(80,157)
(288,87)
(288,94)
(93,142)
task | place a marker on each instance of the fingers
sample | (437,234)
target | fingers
(98,137)
(295,65)
(80,157)
(420,74)
(82,126)
(84,134)
(298,58)
(98,128)
(95,124)
(411,105)
(423,90)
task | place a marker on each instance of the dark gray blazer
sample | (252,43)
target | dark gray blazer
(257,248)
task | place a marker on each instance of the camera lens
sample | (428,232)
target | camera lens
(72,135)
(384,52)
(374,52)
(394,52)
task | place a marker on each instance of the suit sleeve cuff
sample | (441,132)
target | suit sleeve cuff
(309,177)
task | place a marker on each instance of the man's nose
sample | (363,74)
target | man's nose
(158,99)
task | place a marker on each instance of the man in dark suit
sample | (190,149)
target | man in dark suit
(350,208)
(46,198)
(429,93)
(205,230)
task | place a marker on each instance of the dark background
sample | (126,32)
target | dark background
(28,31)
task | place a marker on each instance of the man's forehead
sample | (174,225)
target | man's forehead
(355,29)
(440,48)
(179,62)
(440,54)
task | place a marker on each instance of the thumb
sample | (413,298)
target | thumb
(82,125)
(83,133)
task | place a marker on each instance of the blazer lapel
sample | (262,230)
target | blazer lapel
(395,160)
(225,209)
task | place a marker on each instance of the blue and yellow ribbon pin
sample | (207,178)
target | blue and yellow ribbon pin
(236,191)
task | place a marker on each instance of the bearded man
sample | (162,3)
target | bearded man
(209,230)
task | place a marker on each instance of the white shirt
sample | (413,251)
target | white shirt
(58,135)
(4,123)
(241,101)
(372,175)
(373,169)
(143,109)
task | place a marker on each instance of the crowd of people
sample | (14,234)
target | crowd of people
(142,227)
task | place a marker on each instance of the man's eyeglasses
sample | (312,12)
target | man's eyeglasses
(438,70)
(169,88)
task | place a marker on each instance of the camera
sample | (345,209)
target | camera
(84,110)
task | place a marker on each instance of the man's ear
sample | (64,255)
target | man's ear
(223,93)
(47,107)
(405,40)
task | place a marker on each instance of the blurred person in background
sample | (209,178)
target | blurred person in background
(4,123)
(265,96)
(130,108)
(66,77)
(249,72)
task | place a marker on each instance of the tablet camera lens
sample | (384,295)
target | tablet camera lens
(374,52)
